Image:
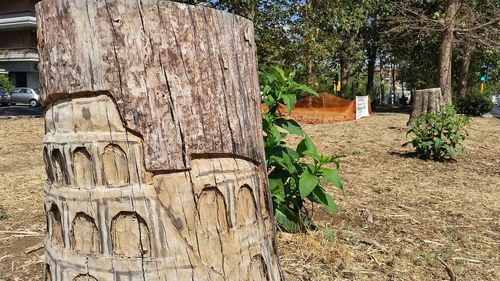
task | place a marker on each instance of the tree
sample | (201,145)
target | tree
(5,83)
(153,147)
(453,19)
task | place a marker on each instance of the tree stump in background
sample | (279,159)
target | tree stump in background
(153,146)
(426,100)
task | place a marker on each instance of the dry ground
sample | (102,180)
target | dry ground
(400,218)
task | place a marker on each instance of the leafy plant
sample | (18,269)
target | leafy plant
(474,103)
(295,175)
(438,136)
(3,213)
(5,83)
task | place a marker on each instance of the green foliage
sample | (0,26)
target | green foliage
(295,175)
(5,83)
(438,136)
(474,103)
(3,213)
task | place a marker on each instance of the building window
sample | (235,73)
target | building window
(19,79)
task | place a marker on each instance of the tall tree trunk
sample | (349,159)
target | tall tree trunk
(372,51)
(372,57)
(308,44)
(381,75)
(153,145)
(446,50)
(344,75)
(393,83)
(464,69)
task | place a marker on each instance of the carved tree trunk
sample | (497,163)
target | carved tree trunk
(426,100)
(153,144)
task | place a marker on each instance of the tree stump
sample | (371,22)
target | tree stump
(153,146)
(426,100)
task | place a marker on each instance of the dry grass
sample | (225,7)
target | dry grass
(399,216)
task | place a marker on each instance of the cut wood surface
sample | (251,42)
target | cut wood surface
(153,144)
(426,100)
(183,77)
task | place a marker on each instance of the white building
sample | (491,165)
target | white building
(18,45)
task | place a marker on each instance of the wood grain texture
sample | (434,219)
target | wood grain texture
(425,100)
(153,144)
(184,77)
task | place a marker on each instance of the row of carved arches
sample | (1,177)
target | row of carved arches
(130,236)
(114,167)
(212,209)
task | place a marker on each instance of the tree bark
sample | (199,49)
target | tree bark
(464,68)
(381,76)
(344,75)
(372,57)
(153,146)
(372,51)
(393,82)
(446,50)
(426,100)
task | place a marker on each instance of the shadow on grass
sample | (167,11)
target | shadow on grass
(412,154)
(405,154)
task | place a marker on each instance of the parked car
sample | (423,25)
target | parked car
(4,97)
(25,96)
(496,99)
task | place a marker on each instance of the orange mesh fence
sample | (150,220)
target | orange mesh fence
(326,108)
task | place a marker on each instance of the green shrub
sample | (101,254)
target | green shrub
(438,136)
(474,104)
(295,175)
(5,83)
(3,213)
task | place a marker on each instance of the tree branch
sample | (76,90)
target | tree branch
(486,24)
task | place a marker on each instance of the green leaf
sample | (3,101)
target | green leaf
(332,177)
(305,88)
(277,187)
(307,183)
(291,126)
(306,146)
(290,100)
(278,73)
(326,200)
(286,219)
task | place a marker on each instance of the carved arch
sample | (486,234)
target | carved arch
(212,211)
(130,235)
(56,230)
(59,168)
(85,237)
(258,268)
(85,277)
(83,168)
(48,273)
(115,166)
(48,165)
(246,208)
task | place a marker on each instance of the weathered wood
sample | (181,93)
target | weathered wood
(153,146)
(426,100)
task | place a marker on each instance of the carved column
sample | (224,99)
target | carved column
(153,144)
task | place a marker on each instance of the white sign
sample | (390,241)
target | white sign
(362,106)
